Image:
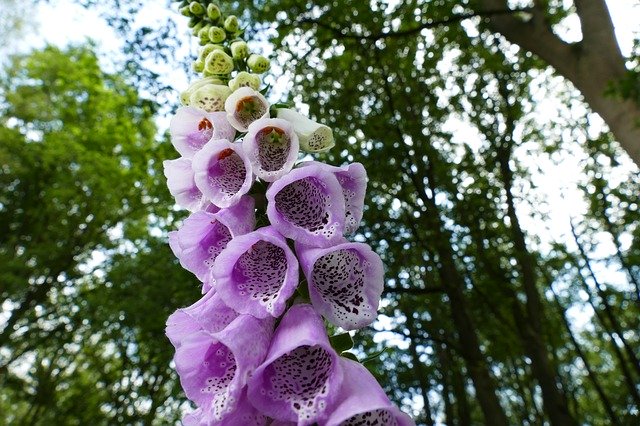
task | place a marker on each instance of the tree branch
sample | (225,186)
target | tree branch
(430,23)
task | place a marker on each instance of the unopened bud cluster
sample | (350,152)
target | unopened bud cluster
(223,50)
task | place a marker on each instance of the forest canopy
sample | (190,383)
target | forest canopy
(497,308)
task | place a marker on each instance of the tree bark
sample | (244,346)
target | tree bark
(592,64)
(445,370)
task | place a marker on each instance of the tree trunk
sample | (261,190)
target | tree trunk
(531,327)
(592,65)
(446,368)
(606,404)
(451,279)
(418,368)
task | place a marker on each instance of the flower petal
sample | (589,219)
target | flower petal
(353,180)
(191,128)
(299,380)
(257,273)
(204,235)
(243,415)
(222,172)
(214,367)
(307,205)
(245,106)
(272,147)
(181,183)
(208,314)
(345,282)
(362,402)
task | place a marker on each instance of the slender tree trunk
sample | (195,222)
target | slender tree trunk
(531,329)
(608,310)
(446,368)
(453,283)
(418,368)
(521,391)
(606,404)
(460,391)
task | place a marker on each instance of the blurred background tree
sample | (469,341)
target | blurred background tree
(498,308)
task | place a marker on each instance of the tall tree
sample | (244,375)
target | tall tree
(85,287)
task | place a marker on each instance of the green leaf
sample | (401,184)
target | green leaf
(341,342)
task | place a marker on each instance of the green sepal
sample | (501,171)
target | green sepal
(373,356)
(281,105)
(265,90)
(341,342)
(303,289)
(196,28)
(198,65)
(350,355)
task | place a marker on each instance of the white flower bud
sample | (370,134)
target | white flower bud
(231,24)
(218,62)
(313,136)
(244,79)
(258,64)
(217,34)
(239,49)
(210,97)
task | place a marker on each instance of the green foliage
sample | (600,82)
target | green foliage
(81,181)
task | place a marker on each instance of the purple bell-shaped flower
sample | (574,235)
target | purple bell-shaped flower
(345,282)
(307,206)
(301,376)
(222,172)
(204,235)
(191,128)
(256,273)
